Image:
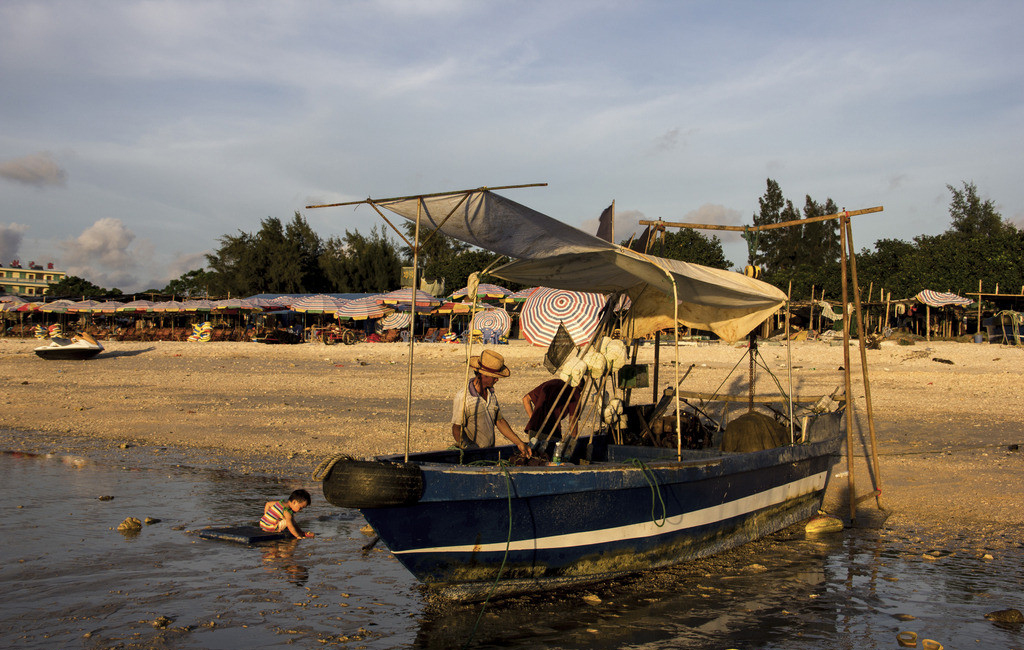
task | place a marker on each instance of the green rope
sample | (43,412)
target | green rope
(508,543)
(751,236)
(652,481)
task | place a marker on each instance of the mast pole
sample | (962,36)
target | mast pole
(412,327)
(852,495)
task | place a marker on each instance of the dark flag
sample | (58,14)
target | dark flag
(644,242)
(606,224)
(559,350)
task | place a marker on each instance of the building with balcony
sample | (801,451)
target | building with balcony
(31,280)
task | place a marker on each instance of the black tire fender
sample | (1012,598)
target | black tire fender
(372,484)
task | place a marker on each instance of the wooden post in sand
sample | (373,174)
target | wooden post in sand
(978,331)
(927,322)
(851,487)
(810,319)
(861,333)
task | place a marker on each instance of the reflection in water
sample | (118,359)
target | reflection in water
(278,560)
(69,573)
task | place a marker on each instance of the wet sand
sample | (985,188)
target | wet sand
(943,429)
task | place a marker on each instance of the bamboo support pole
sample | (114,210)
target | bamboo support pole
(661,225)
(928,322)
(861,332)
(789,362)
(978,330)
(412,330)
(810,319)
(851,486)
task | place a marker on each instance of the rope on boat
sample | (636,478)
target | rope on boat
(652,481)
(324,468)
(508,543)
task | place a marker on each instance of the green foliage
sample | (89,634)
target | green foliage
(688,245)
(807,254)
(977,246)
(73,287)
(190,285)
(361,264)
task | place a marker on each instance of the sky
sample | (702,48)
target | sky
(133,135)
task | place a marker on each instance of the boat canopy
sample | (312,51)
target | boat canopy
(547,252)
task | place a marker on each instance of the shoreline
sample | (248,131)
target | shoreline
(944,429)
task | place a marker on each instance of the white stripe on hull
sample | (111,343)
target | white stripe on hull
(710,515)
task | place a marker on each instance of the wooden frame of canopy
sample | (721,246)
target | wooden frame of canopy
(847,259)
(415,246)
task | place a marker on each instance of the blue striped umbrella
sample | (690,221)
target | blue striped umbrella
(396,321)
(361,308)
(546,308)
(493,319)
(318,304)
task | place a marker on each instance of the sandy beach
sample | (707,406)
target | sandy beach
(946,413)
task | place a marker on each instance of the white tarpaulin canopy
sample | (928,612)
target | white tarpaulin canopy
(550,253)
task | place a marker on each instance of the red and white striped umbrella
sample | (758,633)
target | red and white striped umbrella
(396,321)
(318,304)
(493,319)
(405,297)
(362,308)
(542,312)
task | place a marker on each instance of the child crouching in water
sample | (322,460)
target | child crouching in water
(278,515)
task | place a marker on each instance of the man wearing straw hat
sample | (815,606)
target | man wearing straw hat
(475,410)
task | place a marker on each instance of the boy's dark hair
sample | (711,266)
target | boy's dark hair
(301,496)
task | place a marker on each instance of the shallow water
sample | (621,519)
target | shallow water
(70,580)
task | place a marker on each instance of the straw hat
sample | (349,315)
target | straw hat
(490,363)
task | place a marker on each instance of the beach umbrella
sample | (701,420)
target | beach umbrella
(29,306)
(519,296)
(452,308)
(396,321)
(361,308)
(497,320)
(318,304)
(483,292)
(239,304)
(938,299)
(84,306)
(198,304)
(169,306)
(546,308)
(137,305)
(107,307)
(57,306)
(406,297)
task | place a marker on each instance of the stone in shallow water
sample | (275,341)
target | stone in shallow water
(1006,616)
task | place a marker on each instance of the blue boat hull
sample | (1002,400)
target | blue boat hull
(546,527)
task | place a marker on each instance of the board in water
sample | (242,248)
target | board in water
(242,534)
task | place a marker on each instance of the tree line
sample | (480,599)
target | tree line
(291,258)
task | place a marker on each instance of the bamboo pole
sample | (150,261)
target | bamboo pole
(657,362)
(810,319)
(770,226)
(928,322)
(978,331)
(429,196)
(412,330)
(847,384)
(789,362)
(861,331)
(888,300)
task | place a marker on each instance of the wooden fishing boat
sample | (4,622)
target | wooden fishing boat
(467,523)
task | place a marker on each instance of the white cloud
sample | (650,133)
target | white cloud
(38,169)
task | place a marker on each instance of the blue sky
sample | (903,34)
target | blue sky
(137,133)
